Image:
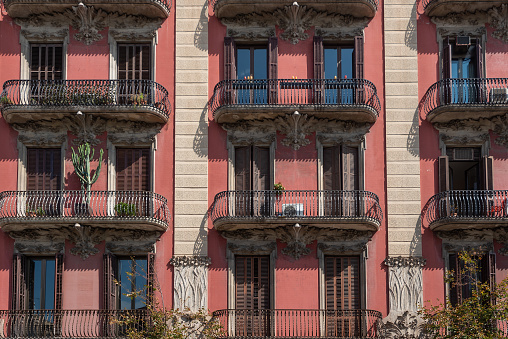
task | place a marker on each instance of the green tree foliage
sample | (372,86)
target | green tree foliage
(482,316)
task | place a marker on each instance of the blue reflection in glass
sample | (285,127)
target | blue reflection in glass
(338,64)
(132,274)
(49,300)
(251,62)
(41,280)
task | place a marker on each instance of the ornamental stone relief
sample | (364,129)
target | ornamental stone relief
(88,22)
(190,282)
(294,20)
(297,127)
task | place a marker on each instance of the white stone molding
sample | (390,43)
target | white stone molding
(191,282)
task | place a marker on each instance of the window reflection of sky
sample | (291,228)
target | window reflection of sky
(132,274)
(42,295)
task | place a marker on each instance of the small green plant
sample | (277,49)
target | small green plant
(278,188)
(5,100)
(138,99)
(124,209)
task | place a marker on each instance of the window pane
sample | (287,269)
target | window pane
(125,283)
(242,63)
(141,282)
(330,63)
(133,277)
(260,63)
(346,68)
(49,302)
(37,284)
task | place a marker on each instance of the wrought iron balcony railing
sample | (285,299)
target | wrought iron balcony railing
(320,207)
(357,8)
(349,99)
(127,207)
(450,99)
(136,97)
(447,209)
(99,324)
(315,324)
(441,8)
(148,8)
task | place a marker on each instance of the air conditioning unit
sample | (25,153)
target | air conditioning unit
(499,95)
(463,40)
(292,210)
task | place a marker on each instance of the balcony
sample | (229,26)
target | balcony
(356,8)
(42,324)
(22,101)
(235,210)
(148,8)
(463,99)
(315,324)
(341,99)
(451,210)
(445,7)
(136,210)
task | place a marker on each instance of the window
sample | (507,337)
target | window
(464,169)
(340,180)
(342,292)
(37,282)
(134,61)
(43,169)
(251,63)
(252,180)
(465,279)
(133,169)
(133,273)
(252,295)
(46,62)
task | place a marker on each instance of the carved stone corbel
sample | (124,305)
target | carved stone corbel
(499,20)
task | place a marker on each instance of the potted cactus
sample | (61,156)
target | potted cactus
(81,162)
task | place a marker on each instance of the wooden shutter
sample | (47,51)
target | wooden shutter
(331,168)
(487,177)
(319,70)
(43,169)
(242,168)
(133,169)
(447,59)
(273,53)
(455,290)
(261,168)
(444,173)
(134,61)
(46,62)
(229,59)
(18,282)
(110,287)
(151,277)
(479,61)
(342,283)
(350,178)
(59,266)
(358,57)
(252,281)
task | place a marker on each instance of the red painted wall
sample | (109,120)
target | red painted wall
(82,279)
(297,282)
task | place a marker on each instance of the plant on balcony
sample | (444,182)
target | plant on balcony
(137,99)
(278,188)
(5,100)
(91,95)
(81,162)
(124,209)
(33,210)
(475,317)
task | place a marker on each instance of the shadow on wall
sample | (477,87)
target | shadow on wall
(410,39)
(200,143)
(415,247)
(200,245)
(201,33)
(413,143)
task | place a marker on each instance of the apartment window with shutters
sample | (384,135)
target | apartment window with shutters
(341,180)
(252,180)
(133,169)
(464,168)
(342,292)
(342,63)
(46,62)
(256,65)
(37,282)
(134,63)
(125,275)
(252,295)
(465,279)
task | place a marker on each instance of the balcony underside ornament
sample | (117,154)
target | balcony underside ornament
(294,20)
(296,127)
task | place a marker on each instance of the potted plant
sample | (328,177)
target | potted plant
(5,100)
(124,209)
(278,188)
(137,99)
(81,162)
(34,211)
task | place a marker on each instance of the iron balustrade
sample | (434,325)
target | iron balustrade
(83,205)
(288,323)
(373,3)
(251,205)
(39,324)
(296,92)
(165,4)
(102,93)
(467,205)
(465,92)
